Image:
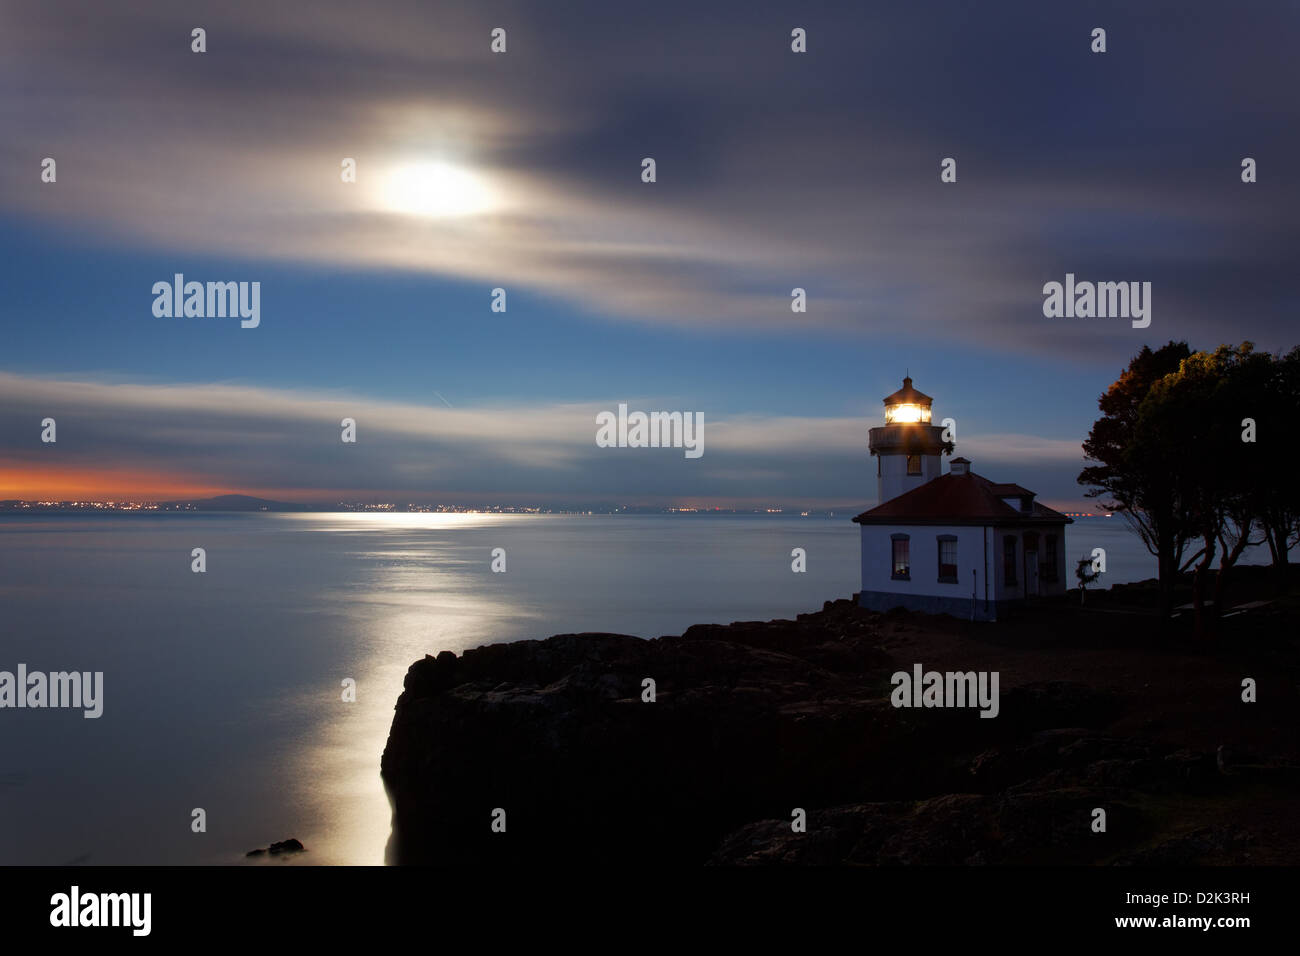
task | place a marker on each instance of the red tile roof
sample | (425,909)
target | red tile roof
(1008,489)
(959,499)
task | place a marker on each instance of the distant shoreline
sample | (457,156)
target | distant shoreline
(243,504)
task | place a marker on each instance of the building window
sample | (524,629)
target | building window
(913,464)
(900,559)
(880,465)
(1050,569)
(1009,560)
(947,559)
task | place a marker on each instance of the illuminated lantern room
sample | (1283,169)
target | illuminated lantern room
(908,447)
(907,406)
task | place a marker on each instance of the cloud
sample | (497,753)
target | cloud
(775,170)
(225,437)
(1011,449)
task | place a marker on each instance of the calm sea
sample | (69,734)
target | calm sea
(222,690)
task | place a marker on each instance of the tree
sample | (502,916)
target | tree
(1085,574)
(1190,423)
(1130,477)
(1275,412)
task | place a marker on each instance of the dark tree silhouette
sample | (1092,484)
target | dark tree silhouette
(1191,424)
(1130,478)
(1085,575)
(1276,415)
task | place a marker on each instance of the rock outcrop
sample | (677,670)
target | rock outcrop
(556,742)
(291,845)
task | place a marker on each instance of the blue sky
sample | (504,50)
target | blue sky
(775,170)
(432,335)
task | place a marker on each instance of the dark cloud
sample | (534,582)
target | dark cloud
(775,170)
(288,443)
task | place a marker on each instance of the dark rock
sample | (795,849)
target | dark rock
(1204,845)
(1052,827)
(754,719)
(556,733)
(750,720)
(290,845)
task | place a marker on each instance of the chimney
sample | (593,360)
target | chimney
(960,466)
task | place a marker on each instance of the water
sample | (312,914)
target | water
(222,690)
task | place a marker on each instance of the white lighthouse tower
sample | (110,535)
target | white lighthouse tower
(908,448)
(954,544)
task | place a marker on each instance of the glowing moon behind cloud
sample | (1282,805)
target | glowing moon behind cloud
(436,190)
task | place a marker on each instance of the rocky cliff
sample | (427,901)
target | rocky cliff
(753,720)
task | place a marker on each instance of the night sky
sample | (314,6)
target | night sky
(775,170)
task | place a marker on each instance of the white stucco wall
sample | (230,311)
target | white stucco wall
(979,550)
(893,479)
(923,540)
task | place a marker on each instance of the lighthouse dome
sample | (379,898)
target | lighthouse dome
(907,405)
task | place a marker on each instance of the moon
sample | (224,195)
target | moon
(436,190)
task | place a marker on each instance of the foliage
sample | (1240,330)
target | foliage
(1192,449)
(1131,481)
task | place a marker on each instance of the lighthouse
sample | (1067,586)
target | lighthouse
(952,543)
(907,448)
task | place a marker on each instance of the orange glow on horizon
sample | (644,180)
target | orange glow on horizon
(78,483)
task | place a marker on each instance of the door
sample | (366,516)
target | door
(1031,574)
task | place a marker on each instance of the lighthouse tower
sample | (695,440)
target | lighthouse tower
(907,448)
